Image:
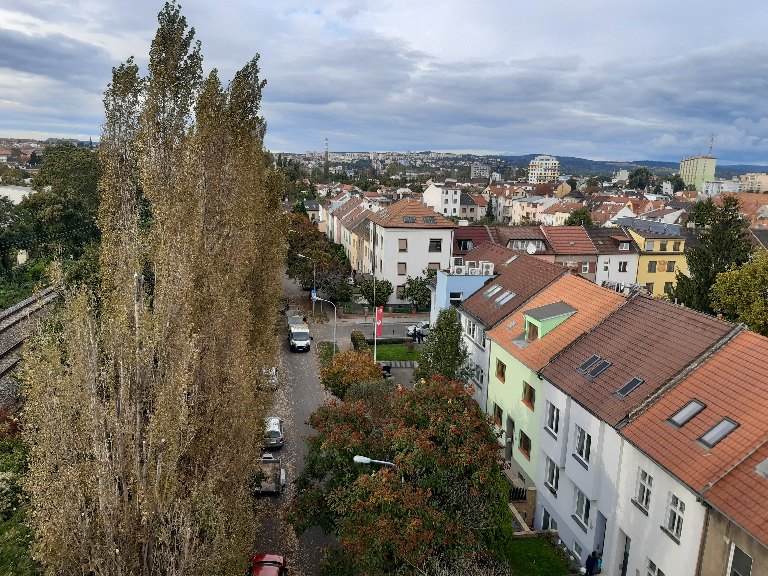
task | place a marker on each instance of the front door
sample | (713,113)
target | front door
(625,560)
(509,438)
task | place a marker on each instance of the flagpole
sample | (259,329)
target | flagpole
(375,308)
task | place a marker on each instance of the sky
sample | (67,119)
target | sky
(598,79)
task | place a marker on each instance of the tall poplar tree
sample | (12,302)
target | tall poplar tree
(142,398)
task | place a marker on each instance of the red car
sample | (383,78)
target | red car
(267,565)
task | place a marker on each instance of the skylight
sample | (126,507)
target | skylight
(687,412)
(589,363)
(409,219)
(507,298)
(762,468)
(625,390)
(492,290)
(599,368)
(718,432)
(429,220)
(503,295)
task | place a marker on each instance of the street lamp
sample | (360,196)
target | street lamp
(357,459)
(314,279)
(334,319)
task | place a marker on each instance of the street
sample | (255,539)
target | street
(298,395)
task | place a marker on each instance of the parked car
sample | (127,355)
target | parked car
(423,326)
(273,432)
(267,565)
(271,476)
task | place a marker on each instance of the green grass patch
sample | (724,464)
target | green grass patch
(536,557)
(397,352)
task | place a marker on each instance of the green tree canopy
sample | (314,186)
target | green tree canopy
(640,178)
(677,183)
(580,217)
(444,351)
(417,290)
(384,290)
(348,368)
(741,294)
(724,243)
(444,498)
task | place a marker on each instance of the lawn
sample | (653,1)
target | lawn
(536,557)
(396,352)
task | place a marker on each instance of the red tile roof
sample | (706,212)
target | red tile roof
(525,276)
(568,240)
(592,303)
(646,338)
(491,253)
(742,495)
(607,240)
(399,214)
(732,383)
(479,235)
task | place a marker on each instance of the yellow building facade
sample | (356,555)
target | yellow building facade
(661,256)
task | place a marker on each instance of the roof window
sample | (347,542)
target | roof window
(429,220)
(627,389)
(762,468)
(588,363)
(718,432)
(682,416)
(598,368)
(409,219)
(492,290)
(506,298)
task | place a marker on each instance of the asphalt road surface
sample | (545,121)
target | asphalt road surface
(298,395)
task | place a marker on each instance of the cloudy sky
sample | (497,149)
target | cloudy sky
(601,79)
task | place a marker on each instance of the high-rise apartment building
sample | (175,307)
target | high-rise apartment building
(543,169)
(696,169)
(479,171)
(754,182)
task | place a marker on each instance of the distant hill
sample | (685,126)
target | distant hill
(585,167)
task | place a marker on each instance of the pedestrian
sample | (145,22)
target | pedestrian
(419,336)
(591,564)
(599,568)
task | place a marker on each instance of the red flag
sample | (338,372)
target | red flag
(379,318)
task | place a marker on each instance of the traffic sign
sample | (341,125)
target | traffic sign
(313,295)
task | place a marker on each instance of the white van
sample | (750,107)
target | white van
(298,337)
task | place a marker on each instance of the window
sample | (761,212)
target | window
(585,267)
(402,244)
(525,445)
(741,563)
(552,475)
(644,485)
(577,549)
(552,418)
(445,201)
(492,290)
(649,246)
(667,287)
(582,507)
(676,246)
(464,245)
(399,291)
(685,413)
(531,331)
(662,246)
(497,414)
(433,266)
(401,269)
(585,366)
(598,368)
(670,265)
(649,287)
(652,266)
(501,370)
(675,510)
(622,266)
(435,245)
(455,298)
(653,570)
(529,396)
(718,432)
(605,266)
(623,246)
(583,443)
(471,329)
(547,522)
(629,387)
(454,210)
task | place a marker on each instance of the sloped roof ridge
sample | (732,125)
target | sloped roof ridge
(680,376)
(735,465)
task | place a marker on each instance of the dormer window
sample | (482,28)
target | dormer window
(623,245)
(531,331)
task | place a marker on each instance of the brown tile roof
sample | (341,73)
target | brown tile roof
(742,495)
(479,235)
(400,214)
(491,253)
(646,338)
(479,200)
(525,276)
(732,383)
(507,233)
(606,240)
(592,303)
(568,240)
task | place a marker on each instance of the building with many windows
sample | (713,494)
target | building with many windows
(543,169)
(696,169)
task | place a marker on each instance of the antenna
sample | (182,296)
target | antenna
(326,156)
(711,143)
(531,248)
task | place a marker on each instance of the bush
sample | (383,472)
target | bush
(359,342)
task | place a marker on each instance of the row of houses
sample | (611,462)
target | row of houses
(636,427)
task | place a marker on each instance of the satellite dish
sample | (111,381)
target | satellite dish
(531,248)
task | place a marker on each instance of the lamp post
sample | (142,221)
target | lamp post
(314,279)
(334,319)
(357,459)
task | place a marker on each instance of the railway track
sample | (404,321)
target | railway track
(16,323)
